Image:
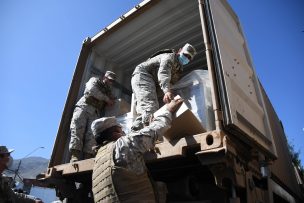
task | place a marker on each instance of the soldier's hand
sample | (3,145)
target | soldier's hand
(168,97)
(174,104)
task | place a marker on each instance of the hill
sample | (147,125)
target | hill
(30,167)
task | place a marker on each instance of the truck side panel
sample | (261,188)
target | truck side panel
(282,169)
(241,98)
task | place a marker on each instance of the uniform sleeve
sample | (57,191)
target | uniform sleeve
(164,71)
(145,139)
(93,90)
(22,198)
(129,149)
(14,196)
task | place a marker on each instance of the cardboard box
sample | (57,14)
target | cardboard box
(184,123)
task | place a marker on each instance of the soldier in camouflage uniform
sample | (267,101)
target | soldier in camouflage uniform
(119,172)
(160,71)
(97,95)
(7,195)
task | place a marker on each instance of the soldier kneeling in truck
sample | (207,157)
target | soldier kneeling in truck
(97,95)
(119,172)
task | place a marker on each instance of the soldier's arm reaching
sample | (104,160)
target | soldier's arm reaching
(19,197)
(146,138)
(164,72)
(15,196)
(164,76)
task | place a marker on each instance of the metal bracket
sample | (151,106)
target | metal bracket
(224,164)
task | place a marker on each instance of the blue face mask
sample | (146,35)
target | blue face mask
(183,59)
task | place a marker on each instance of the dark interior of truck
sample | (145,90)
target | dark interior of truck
(169,25)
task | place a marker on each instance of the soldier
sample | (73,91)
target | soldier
(119,172)
(6,192)
(97,95)
(159,71)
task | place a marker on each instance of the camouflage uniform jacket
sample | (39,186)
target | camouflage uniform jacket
(164,68)
(96,93)
(7,195)
(129,149)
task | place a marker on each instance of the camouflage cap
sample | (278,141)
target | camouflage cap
(189,49)
(4,150)
(101,124)
(111,75)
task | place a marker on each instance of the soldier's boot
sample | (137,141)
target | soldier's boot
(75,155)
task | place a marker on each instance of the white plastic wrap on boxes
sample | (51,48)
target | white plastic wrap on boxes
(195,89)
(125,121)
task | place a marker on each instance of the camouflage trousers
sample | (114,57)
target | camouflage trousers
(82,138)
(144,89)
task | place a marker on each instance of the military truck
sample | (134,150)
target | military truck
(243,158)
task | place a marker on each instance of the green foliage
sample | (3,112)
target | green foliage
(295,156)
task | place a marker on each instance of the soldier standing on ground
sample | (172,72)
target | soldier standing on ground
(119,172)
(97,95)
(7,195)
(160,71)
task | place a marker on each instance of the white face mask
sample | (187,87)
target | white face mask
(10,162)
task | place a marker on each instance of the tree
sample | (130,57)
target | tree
(295,157)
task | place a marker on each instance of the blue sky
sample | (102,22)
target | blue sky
(40,42)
